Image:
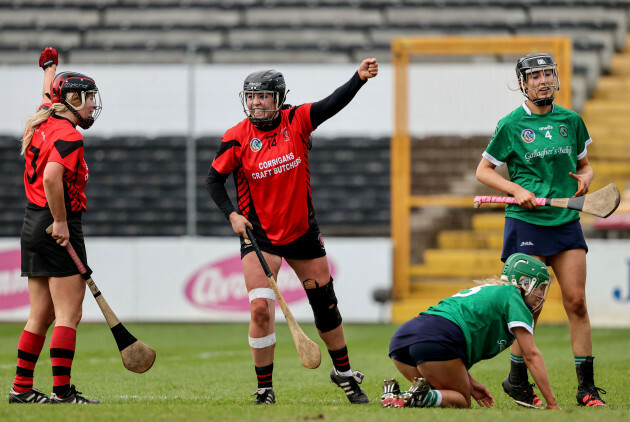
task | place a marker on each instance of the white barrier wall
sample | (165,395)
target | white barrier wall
(608,283)
(200,279)
(451,99)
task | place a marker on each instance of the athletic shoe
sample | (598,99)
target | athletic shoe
(31,396)
(589,396)
(350,385)
(416,394)
(264,396)
(72,396)
(391,392)
(523,394)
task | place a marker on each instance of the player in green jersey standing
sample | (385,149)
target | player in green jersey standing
(544,147)
(436,348)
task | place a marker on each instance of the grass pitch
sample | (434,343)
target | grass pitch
(205,372)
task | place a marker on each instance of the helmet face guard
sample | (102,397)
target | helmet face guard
(538,62)
(84,86)
(530,274)
(266,82)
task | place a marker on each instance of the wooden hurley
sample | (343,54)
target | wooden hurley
(308,350)
(600,203)
(136,356)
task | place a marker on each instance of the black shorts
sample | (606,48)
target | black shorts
(428,338)
(41,255)
(545,241)
(308,246)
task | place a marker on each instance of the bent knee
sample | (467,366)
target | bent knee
(260,311)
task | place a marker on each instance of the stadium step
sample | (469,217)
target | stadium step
(488,221)
(466,239)
(426,294)
(459,263)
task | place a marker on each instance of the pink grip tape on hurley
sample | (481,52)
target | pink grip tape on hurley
(504,200)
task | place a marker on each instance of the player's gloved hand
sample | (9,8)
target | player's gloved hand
(48,57)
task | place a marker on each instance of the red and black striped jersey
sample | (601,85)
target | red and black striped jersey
(272,174)
(56,140)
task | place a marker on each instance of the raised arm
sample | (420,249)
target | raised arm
(324,109)
(48,61)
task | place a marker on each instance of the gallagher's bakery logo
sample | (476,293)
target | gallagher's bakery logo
(528,135)
(255,145)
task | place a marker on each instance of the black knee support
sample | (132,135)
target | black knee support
(324,304)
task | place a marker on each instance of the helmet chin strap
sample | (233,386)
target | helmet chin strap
(541,102)
(83,123)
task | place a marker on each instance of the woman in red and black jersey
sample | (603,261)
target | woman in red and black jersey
(54,179)
(268,155)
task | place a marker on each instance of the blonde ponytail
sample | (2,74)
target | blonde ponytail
(42,115)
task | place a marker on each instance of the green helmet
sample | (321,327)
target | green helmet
(528,273)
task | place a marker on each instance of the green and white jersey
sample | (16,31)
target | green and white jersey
(486,315)
(540,151)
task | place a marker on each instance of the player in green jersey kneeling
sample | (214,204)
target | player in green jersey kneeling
(435,349)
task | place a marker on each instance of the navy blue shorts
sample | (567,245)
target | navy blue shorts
(427,338)
(546,241)
(308,246)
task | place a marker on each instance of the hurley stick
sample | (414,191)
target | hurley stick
(136,356)
(307,349)
(600,203)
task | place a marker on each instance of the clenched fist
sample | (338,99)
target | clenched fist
(48,57)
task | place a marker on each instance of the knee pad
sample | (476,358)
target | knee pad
(324,304)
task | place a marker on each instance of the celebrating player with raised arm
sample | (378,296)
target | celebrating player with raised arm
(268,155)
(54,179)
(544,147)
(436,348)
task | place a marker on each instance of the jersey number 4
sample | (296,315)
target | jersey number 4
(33,177)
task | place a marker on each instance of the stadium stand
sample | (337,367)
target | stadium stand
(297,31)
(137,187)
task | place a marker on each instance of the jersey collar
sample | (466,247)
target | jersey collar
(529,112)
(63,118)
(273,125)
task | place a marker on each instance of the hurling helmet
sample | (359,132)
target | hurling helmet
(264,81)
(528,273)
(67,82)
(534,63)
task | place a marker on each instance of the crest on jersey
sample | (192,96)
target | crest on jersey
(564,132)
(321,240)
(528,135)
(255,145)
(285,134)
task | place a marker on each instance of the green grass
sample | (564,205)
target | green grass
(205,372)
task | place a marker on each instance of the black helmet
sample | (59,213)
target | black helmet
(269,81)
(67,82)
(534,63)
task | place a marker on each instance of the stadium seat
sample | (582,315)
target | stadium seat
(322,16)
(454,15)
(146,38)
(79,17)
(168,17)
(310,38)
